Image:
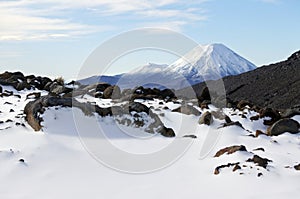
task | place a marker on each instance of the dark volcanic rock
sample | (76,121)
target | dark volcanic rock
(262,162)
(138,107)
(167,132)
(217,169)
(112,92)
(204,95)
(275,86)
(269,112)
(190,136)
(297,167)
(102,86)
(282,126)
(206,118)
(230,150)
(33,95)
(236,123)
(34,108)
(187,109)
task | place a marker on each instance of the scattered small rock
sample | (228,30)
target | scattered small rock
(190,136)
(258,133)
(230,150)
(259,149)
(237,123)
(262,162)
(217,169)
(236,167)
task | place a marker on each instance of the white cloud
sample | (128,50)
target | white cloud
(49,19)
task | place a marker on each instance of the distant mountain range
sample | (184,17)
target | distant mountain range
(209,62)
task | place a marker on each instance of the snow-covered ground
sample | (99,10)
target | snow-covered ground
(57,164)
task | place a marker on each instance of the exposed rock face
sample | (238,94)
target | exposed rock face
(282,126)
(230,150)
(206,118)
(275,86)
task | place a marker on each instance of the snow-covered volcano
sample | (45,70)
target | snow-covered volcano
(202,63)
(210,62)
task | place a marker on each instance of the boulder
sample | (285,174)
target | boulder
(206,118)
(167,94)
(56,88)
(112,92)
(102,86)
(269,112)
(138,107)
(297,167)
(167,132)
(22,85)
(187,109)
(282,126)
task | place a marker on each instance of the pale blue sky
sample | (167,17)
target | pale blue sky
(54,37)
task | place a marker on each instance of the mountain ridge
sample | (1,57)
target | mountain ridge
(207,62)
(275,85)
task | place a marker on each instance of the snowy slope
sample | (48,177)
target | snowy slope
(202,63)
(57,165)
(210,62)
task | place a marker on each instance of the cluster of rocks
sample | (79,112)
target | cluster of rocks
(21,82)
(61,94)
(280,120)
(257,160)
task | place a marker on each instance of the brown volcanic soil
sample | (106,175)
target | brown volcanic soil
(276,85)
